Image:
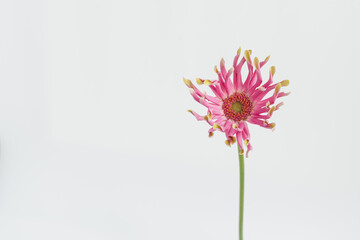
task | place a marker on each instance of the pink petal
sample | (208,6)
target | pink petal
(217,91)
(249,148)
(222,68)
(228,82)
(239,140)
(238,84)
(222,84)
(249,77)
(197,116)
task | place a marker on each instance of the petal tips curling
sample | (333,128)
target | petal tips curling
(217,126)
(285,83)
(238,51)
(247,55)
(277,88)
(272,70)
(199,81)
(208,82)
(256,63)
(188,82)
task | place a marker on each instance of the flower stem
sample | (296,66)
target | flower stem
(241,205)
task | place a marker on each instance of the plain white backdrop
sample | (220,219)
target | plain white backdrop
(96,142)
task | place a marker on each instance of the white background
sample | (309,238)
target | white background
(96,142)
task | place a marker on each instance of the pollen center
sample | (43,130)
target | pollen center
(237,107)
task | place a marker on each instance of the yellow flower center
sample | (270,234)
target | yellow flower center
(237,107)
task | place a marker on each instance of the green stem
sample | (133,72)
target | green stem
(241,205)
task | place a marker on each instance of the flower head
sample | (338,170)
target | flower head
(237,102)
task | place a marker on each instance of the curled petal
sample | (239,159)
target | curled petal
(197,116)
(240,142)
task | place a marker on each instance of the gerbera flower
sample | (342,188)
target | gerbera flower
(237,102)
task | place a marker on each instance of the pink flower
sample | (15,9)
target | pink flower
(237,102)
